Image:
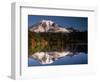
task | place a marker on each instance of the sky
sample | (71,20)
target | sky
(80,23)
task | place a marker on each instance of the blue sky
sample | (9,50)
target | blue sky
(80,23)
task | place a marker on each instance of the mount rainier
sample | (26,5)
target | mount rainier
(49,26)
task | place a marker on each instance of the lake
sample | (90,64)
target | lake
(46,49)
(79,58)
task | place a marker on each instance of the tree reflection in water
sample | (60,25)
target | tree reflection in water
(46,48)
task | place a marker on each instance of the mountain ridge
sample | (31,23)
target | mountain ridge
(50,26)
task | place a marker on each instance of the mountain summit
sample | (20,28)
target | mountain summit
(48,26)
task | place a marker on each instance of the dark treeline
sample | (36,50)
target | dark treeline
(51,41)
(73,37)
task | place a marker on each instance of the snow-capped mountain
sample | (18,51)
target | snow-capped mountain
(48,26)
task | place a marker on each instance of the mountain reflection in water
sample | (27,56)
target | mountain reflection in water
(71,54)
(67,60)
(50,48)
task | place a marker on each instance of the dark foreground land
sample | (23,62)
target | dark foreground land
(50,41)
